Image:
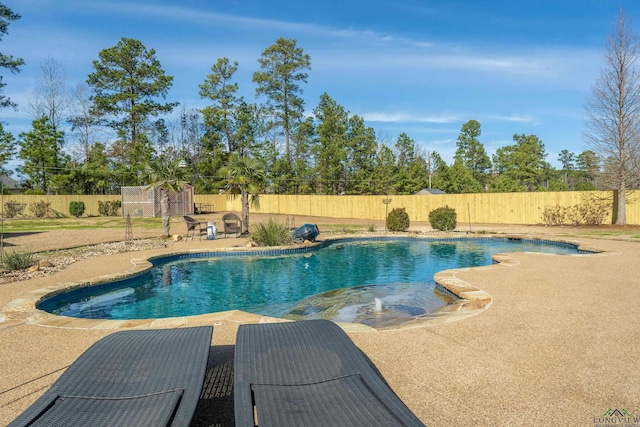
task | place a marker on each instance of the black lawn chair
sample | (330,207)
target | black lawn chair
(129,378)
(309,373)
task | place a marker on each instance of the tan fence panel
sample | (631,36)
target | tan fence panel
(218,202)
(633,208)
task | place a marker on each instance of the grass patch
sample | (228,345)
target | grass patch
(44,224)
(604,233)
(599,233)
(609,234)
(626,231)
(347,230)
(342,228)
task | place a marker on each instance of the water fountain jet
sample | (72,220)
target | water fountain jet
(377,308)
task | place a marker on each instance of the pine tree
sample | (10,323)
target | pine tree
(39,152)
(218,88)
(7,61)
(471,152)
(126,81)
(283,66)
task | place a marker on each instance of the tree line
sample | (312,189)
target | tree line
(101,135)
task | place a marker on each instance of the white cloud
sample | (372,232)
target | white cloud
(396,117)
(247,23)
(201,16)
(408,118)
(515,118)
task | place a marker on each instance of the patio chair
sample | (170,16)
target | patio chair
(309,373)
(232,224)
(129,378)
(194,226)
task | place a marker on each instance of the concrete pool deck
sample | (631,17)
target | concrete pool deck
(558,345)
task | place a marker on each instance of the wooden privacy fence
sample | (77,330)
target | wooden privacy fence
(487,208)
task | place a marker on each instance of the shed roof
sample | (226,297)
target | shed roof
(430,191)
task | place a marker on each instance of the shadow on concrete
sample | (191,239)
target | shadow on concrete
(215,407)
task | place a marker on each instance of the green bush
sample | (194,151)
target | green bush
(109,208)
(40,209)
(444,219)
(13,209)
(398,220)
(76,208)
(271,233)
(17,260)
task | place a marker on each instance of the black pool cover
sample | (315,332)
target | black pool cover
(306,232)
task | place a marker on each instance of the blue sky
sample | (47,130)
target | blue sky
(419,67)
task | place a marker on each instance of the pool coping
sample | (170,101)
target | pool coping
(472,300)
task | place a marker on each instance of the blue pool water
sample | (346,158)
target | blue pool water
(343,278)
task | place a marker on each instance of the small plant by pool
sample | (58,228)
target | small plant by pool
(271,233)
(371,281)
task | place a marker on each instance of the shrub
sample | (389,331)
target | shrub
(15,260)
(40,209)
(591,212)
(109,208)
(594,212)
(573,215)
(554,215)
(271,233)
(398,220)
(444,219)
(76,208)
(12,209)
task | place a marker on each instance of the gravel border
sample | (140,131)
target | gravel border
(51,262)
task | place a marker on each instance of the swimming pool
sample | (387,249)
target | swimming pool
(342,278)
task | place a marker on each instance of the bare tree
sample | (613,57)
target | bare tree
(613,113)
(187,131)
(50,98)
(85,126)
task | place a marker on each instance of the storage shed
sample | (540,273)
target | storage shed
(143,201)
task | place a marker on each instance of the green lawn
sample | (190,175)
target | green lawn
(609,233)
(43,224)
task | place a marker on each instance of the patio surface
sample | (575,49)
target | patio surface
(557,346)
